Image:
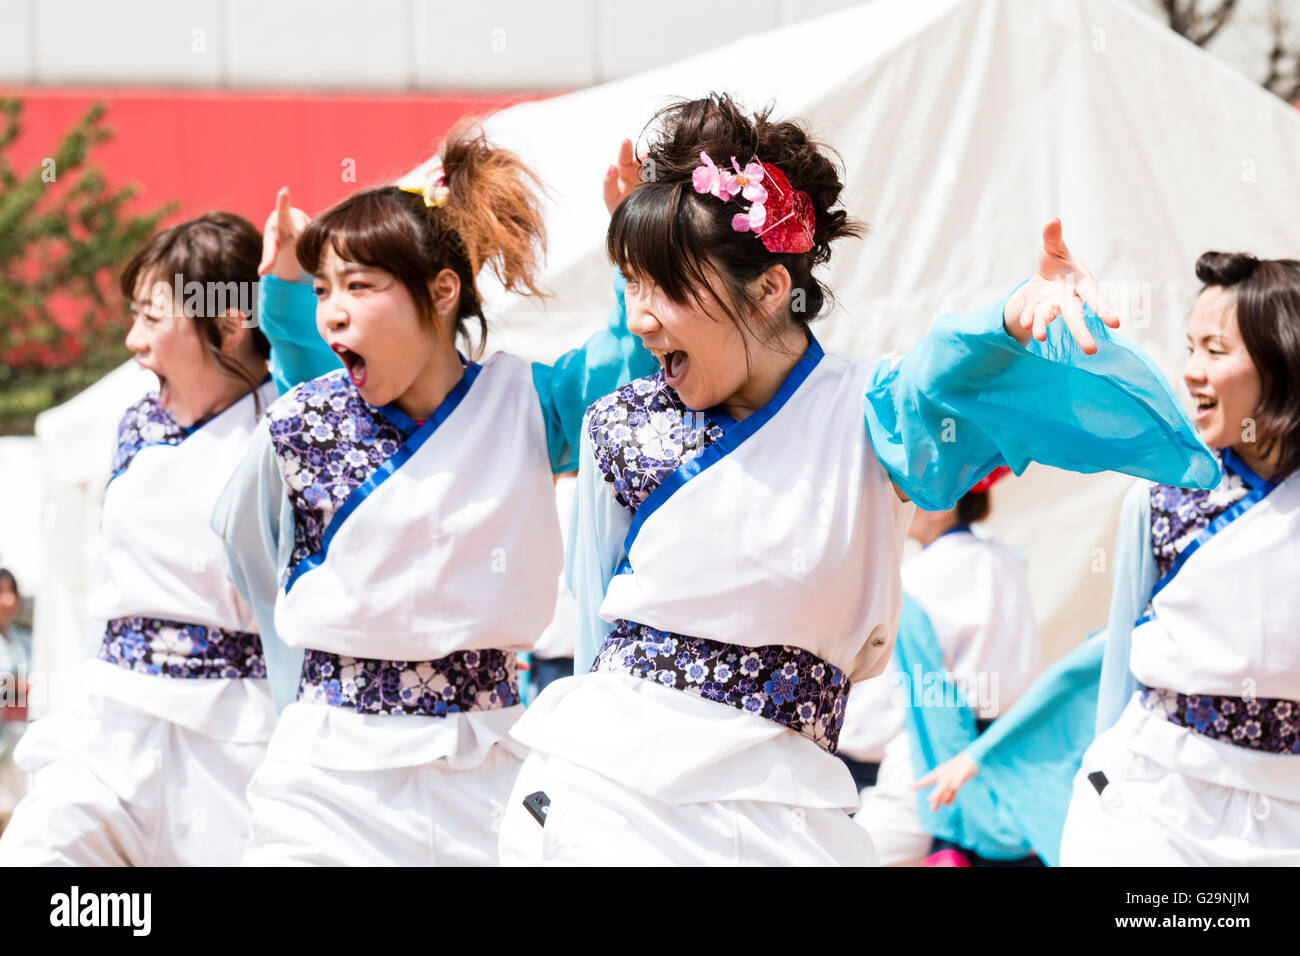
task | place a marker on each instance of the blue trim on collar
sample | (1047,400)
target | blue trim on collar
(720,417)
(1244,471)
(402,421)
(386,470)
(734,435)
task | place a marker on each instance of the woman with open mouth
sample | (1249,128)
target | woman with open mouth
(152,768)
(1196,759)
(394,522)
(741,513)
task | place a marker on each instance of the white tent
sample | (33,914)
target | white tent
(76,442)
(965,125)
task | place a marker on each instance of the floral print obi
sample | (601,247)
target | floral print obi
(640,435)
(161,648)
(1178,516)
(460,682)
(1270,724)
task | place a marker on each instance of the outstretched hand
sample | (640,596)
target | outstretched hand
(622,177)
(1060,286)
(947,779)
(280,240)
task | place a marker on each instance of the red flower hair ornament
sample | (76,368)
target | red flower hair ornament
(779,215)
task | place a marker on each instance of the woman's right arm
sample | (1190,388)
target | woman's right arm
(1056,711)
(1100,665)
(286,304)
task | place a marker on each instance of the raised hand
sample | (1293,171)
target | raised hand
(280,239)
(947,779)
(622,177)
(1060,286)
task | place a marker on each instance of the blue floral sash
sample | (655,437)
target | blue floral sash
(162,648)
(1268,724)
(460,682)
(786,685)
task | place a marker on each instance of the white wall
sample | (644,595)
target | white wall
(379,44)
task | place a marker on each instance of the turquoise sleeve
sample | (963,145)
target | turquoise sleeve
(287,317)
(599,528)
(1133,576)
(978,818)
(968,398)
(1031,754)
(254,520)
(610,358)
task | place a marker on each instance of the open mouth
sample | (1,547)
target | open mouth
(1204,406)
(674,363)
(353,362)
(164,387)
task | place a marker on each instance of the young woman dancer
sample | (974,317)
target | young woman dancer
(394,523)
(741,512)
(152,768)
(1197,754)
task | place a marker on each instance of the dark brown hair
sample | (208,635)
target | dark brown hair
(972,507)
(214,250)
(667,233)
(1268,316)
(492,217)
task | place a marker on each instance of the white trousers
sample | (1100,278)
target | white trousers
(1148,815)
(426,815)
(594,821)
(128,789)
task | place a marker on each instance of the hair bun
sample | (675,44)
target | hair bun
(1225,268)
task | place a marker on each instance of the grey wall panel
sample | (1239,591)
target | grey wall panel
(505,44)
(338,44)
(16,56)
(128,41)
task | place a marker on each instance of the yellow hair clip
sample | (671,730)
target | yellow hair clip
(434,190)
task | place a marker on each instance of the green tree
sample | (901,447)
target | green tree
(65,234)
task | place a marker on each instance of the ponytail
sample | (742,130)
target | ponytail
(493,206)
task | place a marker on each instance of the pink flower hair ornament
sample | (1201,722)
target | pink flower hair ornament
(779,215)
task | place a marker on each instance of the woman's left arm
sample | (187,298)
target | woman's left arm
(1005,385)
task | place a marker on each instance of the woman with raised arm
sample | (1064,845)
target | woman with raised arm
(741,512)
(1196,759)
